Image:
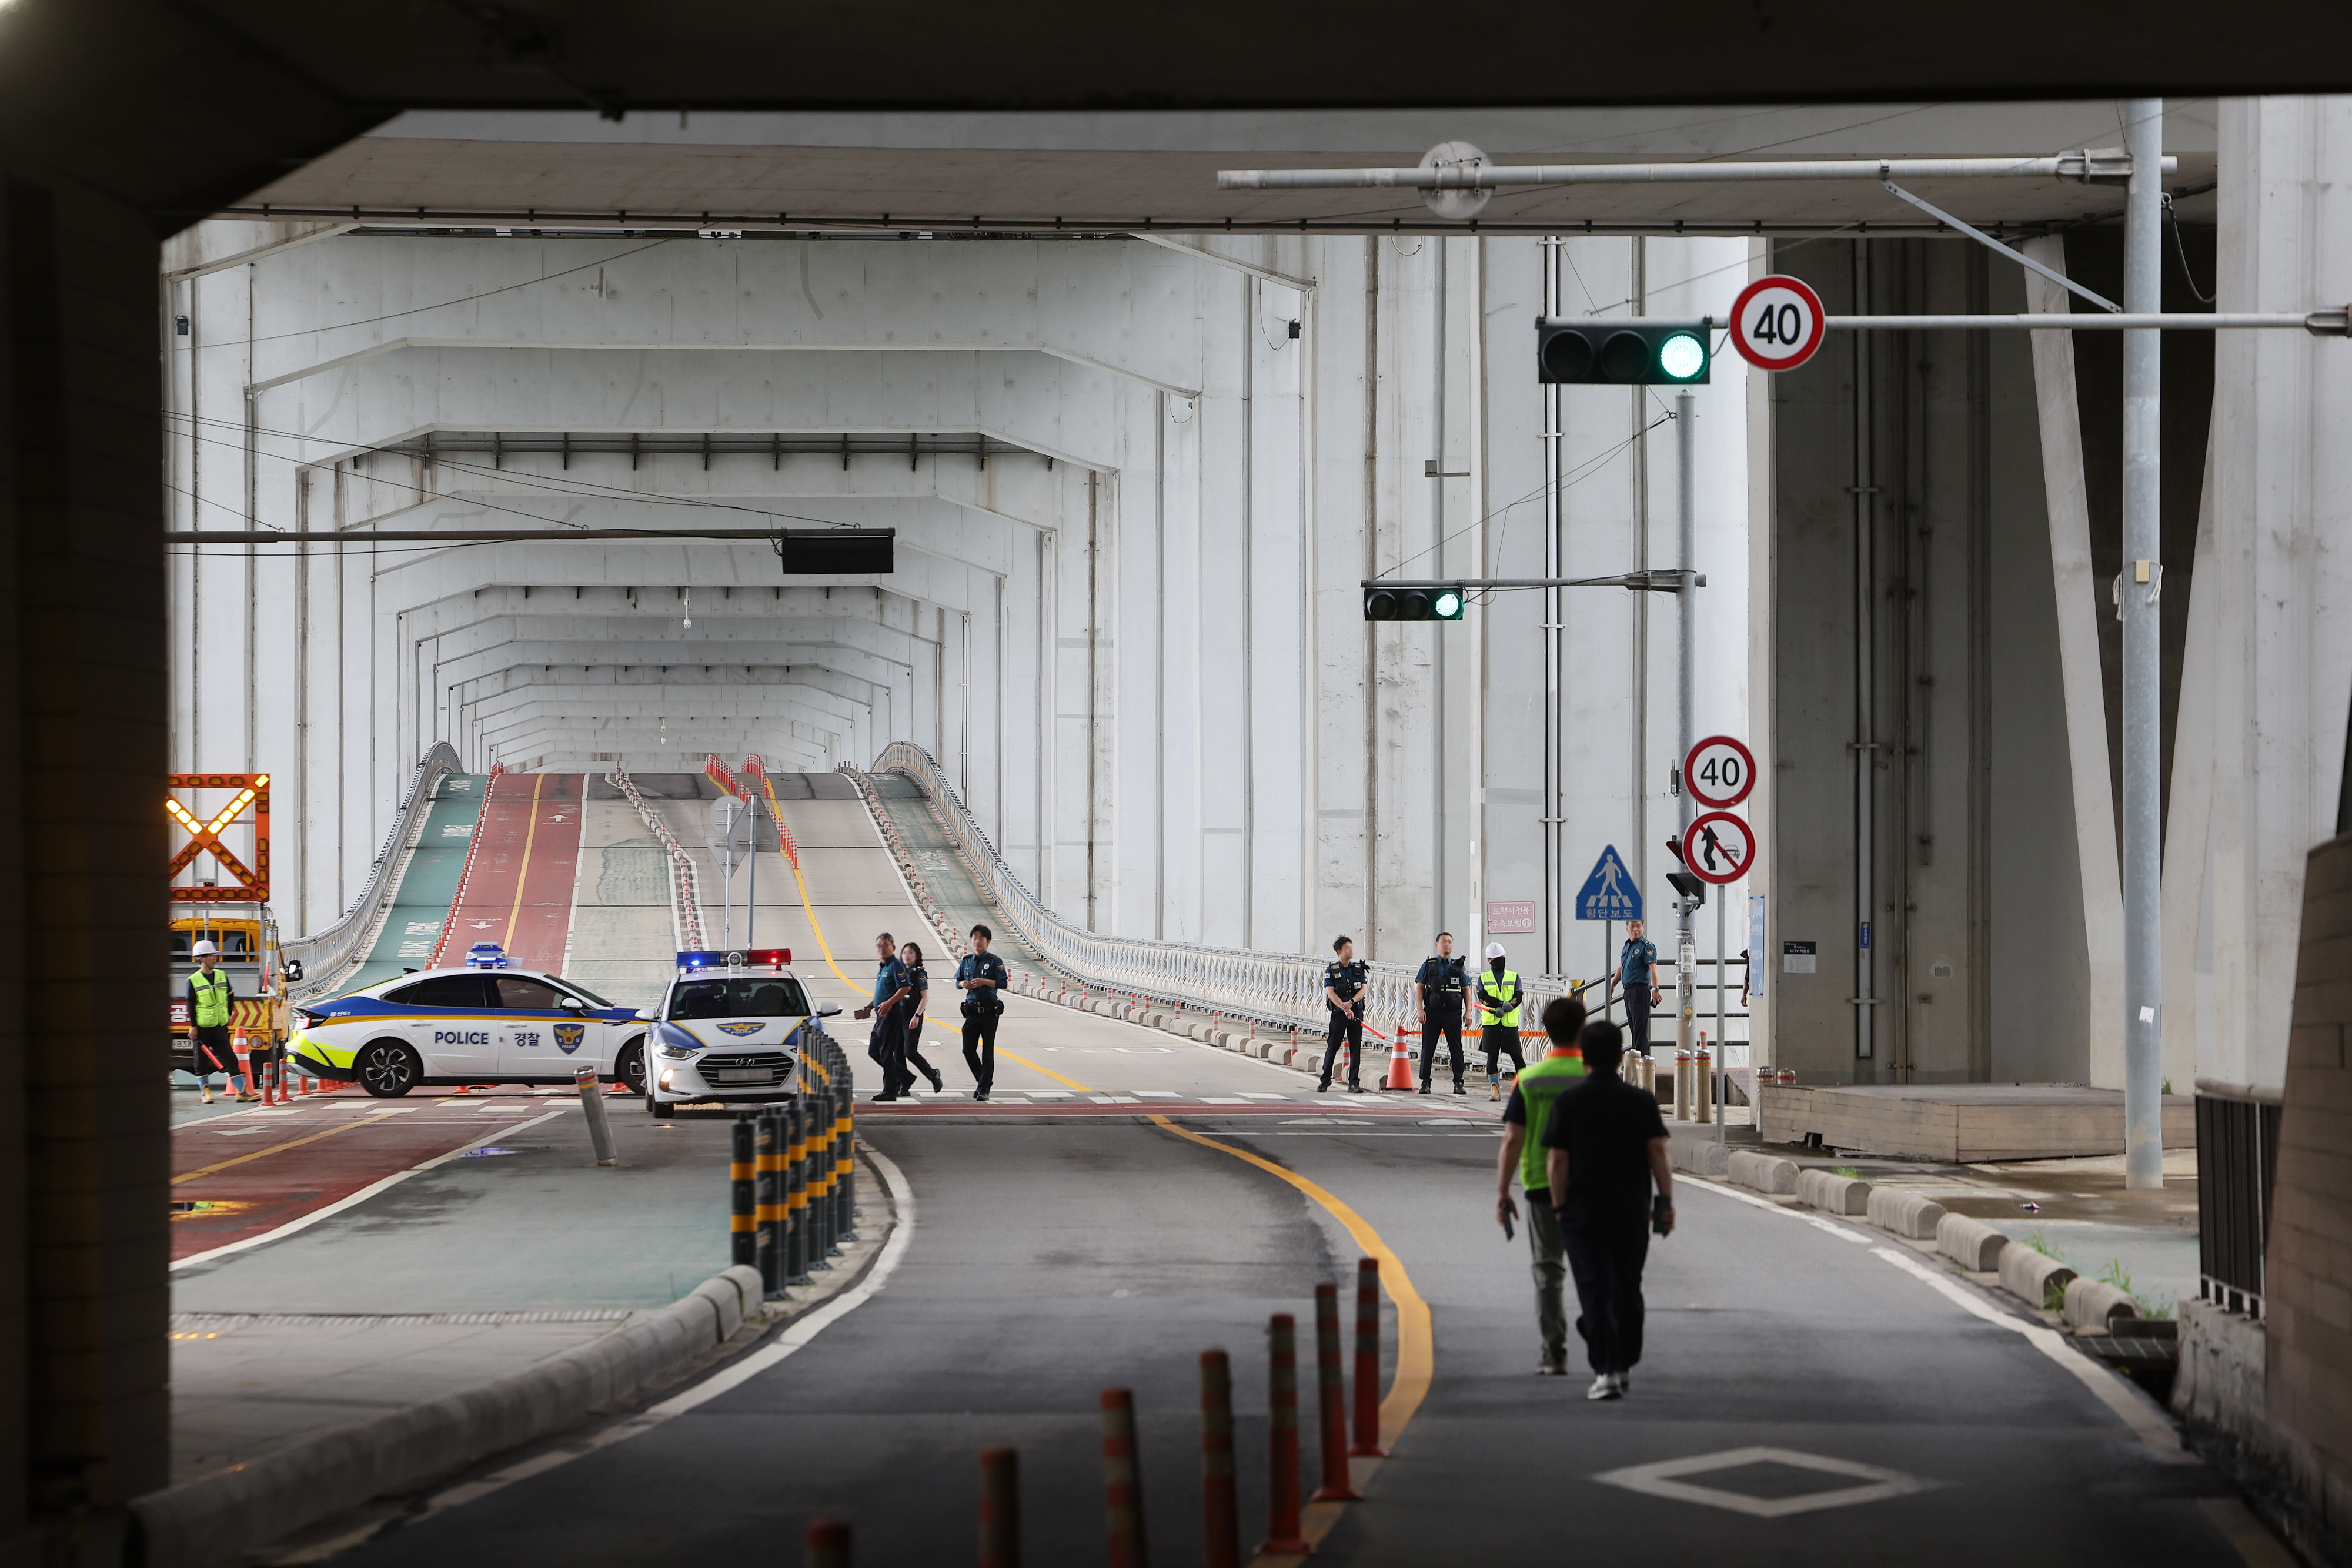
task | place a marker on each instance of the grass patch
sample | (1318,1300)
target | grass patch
(1849,1172)
(2116,1274)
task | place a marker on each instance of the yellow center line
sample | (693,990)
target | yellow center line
(1417,1347)
(281,1149)
(1048,1072)
(538,782)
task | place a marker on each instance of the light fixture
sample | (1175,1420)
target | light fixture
(1682,356)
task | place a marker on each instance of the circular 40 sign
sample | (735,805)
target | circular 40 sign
(1718,847)
(1776,322)
(1718,773)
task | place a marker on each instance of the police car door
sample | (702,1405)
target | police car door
(543,1039)
(452,1026)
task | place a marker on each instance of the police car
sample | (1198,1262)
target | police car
(731,1027)
(486,1023)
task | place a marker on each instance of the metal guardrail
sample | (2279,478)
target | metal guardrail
(685,882)
(330,953)
(2237,1168)
(1284,990)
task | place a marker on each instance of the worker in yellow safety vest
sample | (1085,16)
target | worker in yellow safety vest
(210,995)
(1523,1152)
(1498,1016)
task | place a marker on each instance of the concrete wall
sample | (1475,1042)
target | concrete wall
(1133,634)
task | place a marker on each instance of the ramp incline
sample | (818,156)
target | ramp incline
(421,906)
(624,929)
(517,888)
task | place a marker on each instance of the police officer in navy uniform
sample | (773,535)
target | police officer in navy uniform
(1438,988)
(1637,972)
(982,978)
(1345,980)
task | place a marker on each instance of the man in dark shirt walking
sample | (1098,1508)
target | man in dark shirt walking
(1607,1147)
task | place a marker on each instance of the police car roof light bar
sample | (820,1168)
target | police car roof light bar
(736,959)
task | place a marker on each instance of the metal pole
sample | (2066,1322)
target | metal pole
(592,1101)
(1686,677)
(1722,1050)
(2143,865)
(1866,690)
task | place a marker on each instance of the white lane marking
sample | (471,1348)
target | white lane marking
(1224,1099)
(1844,1233)
(2151,1429)
(369,1191)
(732,1376)
(1253,1094)
(1159,1094)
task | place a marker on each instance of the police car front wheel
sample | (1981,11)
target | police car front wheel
(387,1069)
(631,1067)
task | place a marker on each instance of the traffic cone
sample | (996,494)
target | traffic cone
(1400,1063)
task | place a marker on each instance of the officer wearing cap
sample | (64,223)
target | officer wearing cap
(1438,988)
(1344,979)
(1498,1017)
(210,995)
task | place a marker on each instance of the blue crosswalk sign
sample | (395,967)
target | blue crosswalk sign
(1609,892)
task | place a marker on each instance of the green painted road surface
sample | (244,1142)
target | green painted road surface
(429,884)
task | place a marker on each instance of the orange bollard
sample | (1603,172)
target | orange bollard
(1122,1478)
(1282,1536)
(999,1508)
(1220,1515)
(828,1544)
(1367,1361)
(1331,1400)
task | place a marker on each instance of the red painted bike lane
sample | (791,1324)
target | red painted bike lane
(241,1176)
(517,890)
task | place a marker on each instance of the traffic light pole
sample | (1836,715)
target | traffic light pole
(1685,678)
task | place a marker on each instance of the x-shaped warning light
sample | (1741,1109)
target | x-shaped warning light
(205,836)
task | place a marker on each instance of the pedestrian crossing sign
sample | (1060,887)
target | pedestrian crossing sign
(1609,893)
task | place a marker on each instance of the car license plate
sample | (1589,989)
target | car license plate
(741,1075)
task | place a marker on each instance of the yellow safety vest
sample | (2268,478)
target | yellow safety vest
(1490,1002)
(212,999)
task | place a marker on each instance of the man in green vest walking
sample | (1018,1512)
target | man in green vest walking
(209,996)
(1540,1084)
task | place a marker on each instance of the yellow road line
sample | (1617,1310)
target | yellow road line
(281,1149)
(1048,1072)
(1417,1347)
(538,782)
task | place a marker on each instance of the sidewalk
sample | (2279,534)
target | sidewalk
(461,1275)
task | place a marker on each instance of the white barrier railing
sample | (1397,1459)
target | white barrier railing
(685,883)
(328,954)
(1285,990)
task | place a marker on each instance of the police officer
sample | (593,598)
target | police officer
(1498,1018)
(1637,971)
(209,996)
(1344,979)
(982,979)
(1438,988)
(887,1044)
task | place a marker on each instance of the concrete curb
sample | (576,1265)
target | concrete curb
(2094,1304)
(2028,1274)
(218,1518)
(1845,1197)
(1971,1243)
(1911,1215)
(1699,1157)
(1764,1173)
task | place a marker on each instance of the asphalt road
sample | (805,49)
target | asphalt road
(1050,1261)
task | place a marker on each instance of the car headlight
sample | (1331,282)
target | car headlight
(676,1053)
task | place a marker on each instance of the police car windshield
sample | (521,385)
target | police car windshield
(739,996)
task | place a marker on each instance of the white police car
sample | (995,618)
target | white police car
(486,1023)
(730,1029)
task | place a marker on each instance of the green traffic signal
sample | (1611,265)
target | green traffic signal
(1624,353)
(1414,601)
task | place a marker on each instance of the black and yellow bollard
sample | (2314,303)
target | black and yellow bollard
(741,1219)
(796,1226)
(770,1206)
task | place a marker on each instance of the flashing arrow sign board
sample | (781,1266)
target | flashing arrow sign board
(1718,847)
(1777,322)
(1719,772)
(1609,894)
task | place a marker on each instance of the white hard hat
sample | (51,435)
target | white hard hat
(202,948)
(1493,949)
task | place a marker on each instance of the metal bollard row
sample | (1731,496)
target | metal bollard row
(792,1177)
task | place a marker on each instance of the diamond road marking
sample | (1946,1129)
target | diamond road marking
(1664,1478)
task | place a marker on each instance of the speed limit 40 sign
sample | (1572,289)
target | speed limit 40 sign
(1777,322)
(1718,773)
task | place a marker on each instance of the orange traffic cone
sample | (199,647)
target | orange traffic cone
(1400,1063)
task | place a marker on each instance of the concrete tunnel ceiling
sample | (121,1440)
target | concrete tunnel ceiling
(1158,170)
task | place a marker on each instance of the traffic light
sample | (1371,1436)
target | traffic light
(1624,353)
(1414,601)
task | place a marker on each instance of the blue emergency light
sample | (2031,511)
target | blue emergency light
(486,956)
(738,958)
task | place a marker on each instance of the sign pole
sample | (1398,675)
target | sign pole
(1686,674)
(1722,1051)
